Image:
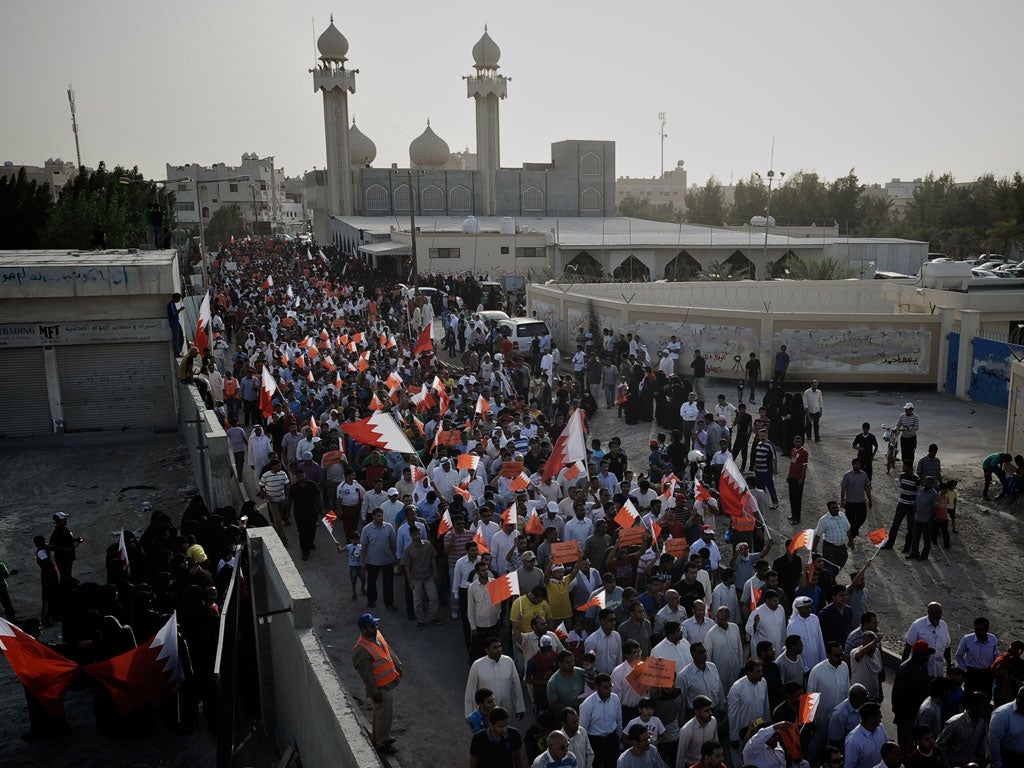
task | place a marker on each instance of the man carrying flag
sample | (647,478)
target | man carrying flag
(201,338)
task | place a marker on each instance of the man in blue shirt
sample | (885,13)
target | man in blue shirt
(477,720)
(1006,733)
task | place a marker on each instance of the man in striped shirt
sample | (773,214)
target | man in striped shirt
(904,507)
(274,488)
(908,424)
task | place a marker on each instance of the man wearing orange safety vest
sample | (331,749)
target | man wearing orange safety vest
(380,670)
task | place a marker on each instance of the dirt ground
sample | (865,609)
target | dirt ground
(102,482)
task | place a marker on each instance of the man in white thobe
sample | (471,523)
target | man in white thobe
(806,625)
(725,648)
(748,701)
(831,679)
(767,622)
(497,672)
(674,646)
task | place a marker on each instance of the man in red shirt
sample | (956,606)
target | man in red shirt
(798,460)
(711,756)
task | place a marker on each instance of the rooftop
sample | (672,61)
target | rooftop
(65,258)
(609,232)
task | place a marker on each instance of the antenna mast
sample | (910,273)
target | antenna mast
(663,136)
(74,125)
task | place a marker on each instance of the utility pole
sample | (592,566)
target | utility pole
(663,135)
(409,175)
(74,125)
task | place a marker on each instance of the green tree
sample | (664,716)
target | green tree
(803,200)
(843,196)
(100,198)
(827,268)
(642,208)
(749,199)
(24,208)
(1004,237)
(707,204)
(225,223)
(874,216)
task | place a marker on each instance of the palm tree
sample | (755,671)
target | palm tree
(827,268)
(1004,237)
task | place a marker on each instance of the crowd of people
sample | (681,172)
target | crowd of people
(657,567)
(181,569)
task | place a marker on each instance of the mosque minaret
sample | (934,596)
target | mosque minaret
(336,82)
(487,87)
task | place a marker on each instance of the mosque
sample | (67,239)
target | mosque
(578,181)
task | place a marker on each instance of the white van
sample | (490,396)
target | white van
(521,331)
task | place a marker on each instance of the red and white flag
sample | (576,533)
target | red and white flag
(879,538)
(755,597)
(375,403)
(201,338)
(313,426)
(534,525)
(142,676)
(562,632)
(503,587)
(700,493)
(732,489)
(45,673)
(329,521)
(569,447)
(418,473)
(467,461)
(445,525)
(627,515)
(289,294)
(482,406)
(267,283)
(803,539)
(394,380)
(510,516)
(463,491)
(425,341)
(122,552)
(268,387)
(597,601)
(380,431)
(574,471)
(520,482)
(808,707)
(481,542)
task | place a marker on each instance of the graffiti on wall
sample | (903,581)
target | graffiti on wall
(990,371)
(549,313)
(857,350)
(725,347)
(593,319)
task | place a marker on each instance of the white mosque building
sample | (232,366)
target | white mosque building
(578,181)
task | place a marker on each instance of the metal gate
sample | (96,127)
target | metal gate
(25,408)
(117,386)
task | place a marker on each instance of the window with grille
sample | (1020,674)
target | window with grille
(377,198)
(433,198)
(526,253)
(533,199)
(458,198)
(590,164)
(402,197)
(445,253)
(590,199)
(184,206)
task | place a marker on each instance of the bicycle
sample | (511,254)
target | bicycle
(891,435)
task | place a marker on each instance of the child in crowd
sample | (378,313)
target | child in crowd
(649,720)
(355,570)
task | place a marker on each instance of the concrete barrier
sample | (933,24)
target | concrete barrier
(213,463)
(305,705)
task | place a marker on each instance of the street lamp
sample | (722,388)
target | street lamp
(199,210)
(768,211)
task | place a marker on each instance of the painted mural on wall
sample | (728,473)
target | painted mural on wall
(857,349)
(990,371)
(548,312)
(594,319)
(725,347)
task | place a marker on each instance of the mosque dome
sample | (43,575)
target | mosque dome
(428,150)
(486,52)
(332,44)
(361,149)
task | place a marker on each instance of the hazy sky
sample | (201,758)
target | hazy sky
(895,88)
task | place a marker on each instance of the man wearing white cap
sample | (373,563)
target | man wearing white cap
(707,540)
(908,423)
(805,624)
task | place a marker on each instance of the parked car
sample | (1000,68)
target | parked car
(492,314)
(978,272)
(521,331)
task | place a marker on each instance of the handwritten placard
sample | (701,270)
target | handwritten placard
(565,552)
(510,469)
(677,547)
(658,673)
(630,536)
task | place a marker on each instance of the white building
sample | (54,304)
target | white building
(54,172)
(669,189)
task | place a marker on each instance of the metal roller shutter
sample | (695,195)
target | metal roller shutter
(112,386)
(24,404)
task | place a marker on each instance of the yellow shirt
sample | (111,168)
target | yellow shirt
(523,611)
(558,599)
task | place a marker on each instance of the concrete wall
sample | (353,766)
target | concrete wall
(304,703)
(478,253)
(835,331)
(1015,412)
(213,463)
